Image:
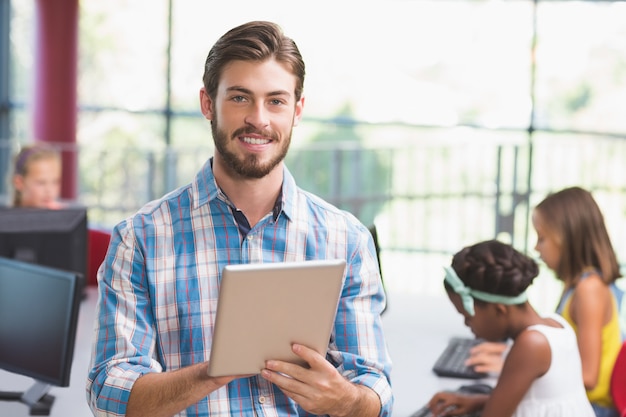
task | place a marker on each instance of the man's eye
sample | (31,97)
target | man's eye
(239,99)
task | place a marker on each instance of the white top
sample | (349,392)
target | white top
(560,392)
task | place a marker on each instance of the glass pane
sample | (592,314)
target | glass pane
(424,62)
(590,161)
(122,57)
(581,66)
(21,67)
(118,169)
(191,131)
(192,144)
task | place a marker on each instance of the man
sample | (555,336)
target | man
(159,284)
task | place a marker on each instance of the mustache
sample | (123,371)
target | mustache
(250,130)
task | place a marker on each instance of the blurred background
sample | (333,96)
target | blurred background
(441,122)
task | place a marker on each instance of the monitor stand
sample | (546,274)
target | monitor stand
(36,398)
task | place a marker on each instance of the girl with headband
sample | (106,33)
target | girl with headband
(573,241)
(541,375)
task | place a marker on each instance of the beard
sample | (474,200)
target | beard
(247,166)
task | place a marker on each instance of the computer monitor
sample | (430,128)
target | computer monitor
(55,238)
(39,308)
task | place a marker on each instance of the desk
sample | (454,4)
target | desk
(417,328)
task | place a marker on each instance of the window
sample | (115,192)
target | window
(460,108)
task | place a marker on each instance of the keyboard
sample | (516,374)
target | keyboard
(451,362)
(464,389)
(425,412)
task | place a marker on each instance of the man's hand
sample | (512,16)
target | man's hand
(320,389)
(167,393)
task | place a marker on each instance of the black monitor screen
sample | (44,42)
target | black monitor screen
(56,238)
(38,318)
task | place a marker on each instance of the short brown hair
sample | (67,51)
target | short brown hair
(253,41)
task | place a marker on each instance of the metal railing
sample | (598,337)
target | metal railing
(427,198)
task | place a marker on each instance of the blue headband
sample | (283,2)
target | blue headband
(467,294)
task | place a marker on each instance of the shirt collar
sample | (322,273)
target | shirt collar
(205,189)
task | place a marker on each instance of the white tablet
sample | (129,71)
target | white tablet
(264,308)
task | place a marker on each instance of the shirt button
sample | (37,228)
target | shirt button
(249,237)
(262,399)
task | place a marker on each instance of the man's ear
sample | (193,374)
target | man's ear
(206,104)
(297,115)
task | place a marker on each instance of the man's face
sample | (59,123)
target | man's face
(252,117)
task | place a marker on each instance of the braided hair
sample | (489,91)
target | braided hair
(495,267)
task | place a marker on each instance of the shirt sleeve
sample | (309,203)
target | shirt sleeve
(358,348)
(123,348)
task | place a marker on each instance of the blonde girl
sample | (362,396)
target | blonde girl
(37,177)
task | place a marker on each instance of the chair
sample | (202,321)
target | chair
(98,246)
(374,234)
(618,382)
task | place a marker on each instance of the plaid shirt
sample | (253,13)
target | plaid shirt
(159,284)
